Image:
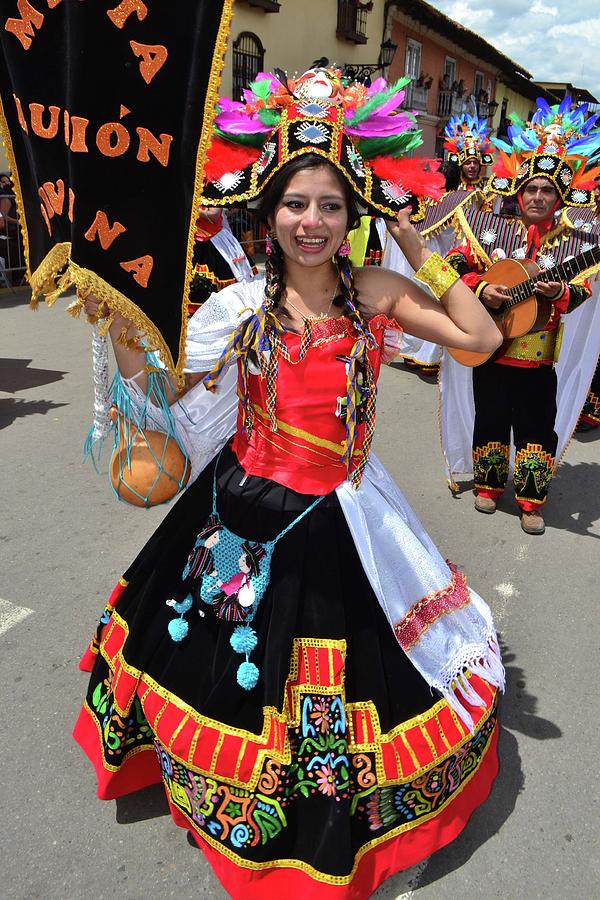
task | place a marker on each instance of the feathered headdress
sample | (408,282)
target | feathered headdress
(360,130)
(467,138)
(559,143)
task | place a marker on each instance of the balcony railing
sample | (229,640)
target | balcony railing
(449,104)
(351,22)
(415,97)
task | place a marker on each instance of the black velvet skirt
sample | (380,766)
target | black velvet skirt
(339,767)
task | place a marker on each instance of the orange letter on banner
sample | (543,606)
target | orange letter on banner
(78,128)
(52,3)
(141,269)
(71,204)
(37,111)
(150,144)
(45,218)
(23,27)
(53,197)
(119,15)
(106,233)
(104,139)
(20,115)
(153,58)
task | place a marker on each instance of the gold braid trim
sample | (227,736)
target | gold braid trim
(212,95)
(12,164)
(57,273)
(477,250)
(477,195)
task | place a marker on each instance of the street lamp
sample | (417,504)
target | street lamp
(363,71)
(492,107)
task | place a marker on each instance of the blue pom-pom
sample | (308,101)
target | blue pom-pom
(178,628)
(244,639)
(184,605)
(247,675)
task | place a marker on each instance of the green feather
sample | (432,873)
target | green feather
(261,89)
(516,120)
(378,100)
(392,145)
(248,140)
(269,117)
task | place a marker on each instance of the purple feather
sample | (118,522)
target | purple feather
(380,84)
(380,126)
(235,123)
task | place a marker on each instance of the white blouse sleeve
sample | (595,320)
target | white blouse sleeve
(205,421)
(211,326)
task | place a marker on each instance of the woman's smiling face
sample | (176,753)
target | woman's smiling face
(311,218)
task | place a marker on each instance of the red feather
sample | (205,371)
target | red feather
(507,166)
(419,176)
(223,156)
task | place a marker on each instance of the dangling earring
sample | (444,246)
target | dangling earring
(344,248)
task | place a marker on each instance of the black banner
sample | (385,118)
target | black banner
(106,112)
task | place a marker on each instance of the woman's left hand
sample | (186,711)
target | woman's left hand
(408,238)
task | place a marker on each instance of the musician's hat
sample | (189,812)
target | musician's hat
(559,144)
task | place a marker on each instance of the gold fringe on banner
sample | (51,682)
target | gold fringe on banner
(58,272)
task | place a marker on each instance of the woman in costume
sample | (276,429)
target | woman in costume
(219,258)
(468,147)
(346,728)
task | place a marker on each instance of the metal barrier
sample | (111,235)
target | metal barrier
(12,259)
(251,233)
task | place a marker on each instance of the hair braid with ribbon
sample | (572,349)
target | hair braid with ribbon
(360,398)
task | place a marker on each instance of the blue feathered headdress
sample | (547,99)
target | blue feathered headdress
(560,143)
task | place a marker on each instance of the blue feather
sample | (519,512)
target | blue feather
(543,107)
(565,105)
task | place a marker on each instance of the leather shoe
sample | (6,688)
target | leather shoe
(485,505)
(532,522)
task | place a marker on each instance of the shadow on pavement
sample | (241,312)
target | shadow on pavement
(16,376)
(575,499)
(149,803)
(12,408)
(517,713)
(17,296)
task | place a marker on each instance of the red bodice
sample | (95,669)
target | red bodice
(305,451)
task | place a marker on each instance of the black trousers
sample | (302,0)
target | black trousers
(522,400)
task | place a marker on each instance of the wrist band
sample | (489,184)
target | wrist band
(437,274)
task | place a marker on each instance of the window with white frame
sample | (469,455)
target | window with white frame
(412,65)
(478,85)
(449,71)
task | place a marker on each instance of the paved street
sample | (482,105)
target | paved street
(64,540)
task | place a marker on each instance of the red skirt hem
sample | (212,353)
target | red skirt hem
(381,862)
(140,770)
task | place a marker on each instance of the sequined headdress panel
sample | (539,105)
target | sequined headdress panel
(467,138)
(360,130)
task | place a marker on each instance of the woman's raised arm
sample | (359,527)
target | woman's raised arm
(457,320)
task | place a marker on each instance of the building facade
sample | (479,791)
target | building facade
(291,35)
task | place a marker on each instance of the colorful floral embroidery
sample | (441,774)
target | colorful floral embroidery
(490,464)
(241,820)
(536,463)
(391,806)
(120,734)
